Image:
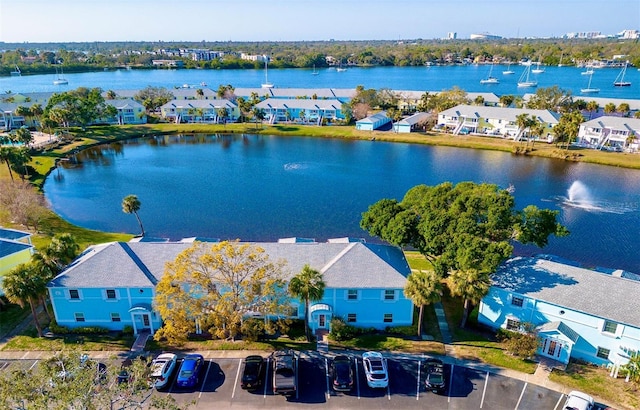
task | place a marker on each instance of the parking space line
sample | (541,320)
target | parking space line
(357,379)
(559,400)
(326,374)
(450,383)
(484,391)
(4,365)
(266,377)
(35,362)
(418,382)
(24,356)
(206,374)
(297,359)
(521,394)
(233,394)
(388,391)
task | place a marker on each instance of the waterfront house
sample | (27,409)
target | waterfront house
(578,313)
(373,122)
(15,249)
(612,133)
(112,285)
(340,94)
(412,123)
(199,111)
(495,121)
(129,112)
(303,110)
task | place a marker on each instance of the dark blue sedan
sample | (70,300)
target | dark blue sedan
(189,370)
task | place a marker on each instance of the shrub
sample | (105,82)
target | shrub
(90,330)
(252,330)
(522,344)
(341,331)
(402,330)
(127,330)
(296,329)
(56,329)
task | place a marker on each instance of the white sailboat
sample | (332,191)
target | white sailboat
(588,71)
(490,79)
(524,80)
(340,68)
(60,80)
(16,72)
(314,72)
(619,81)
(508,71)
(266,83)
(589,90)
(560,63)
(538,70)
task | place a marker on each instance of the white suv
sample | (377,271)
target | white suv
(578,401)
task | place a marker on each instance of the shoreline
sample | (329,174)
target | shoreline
(46,161)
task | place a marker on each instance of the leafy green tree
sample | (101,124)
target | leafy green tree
(551,98)
(212,287)
(623,109)
(506,100)
(258,115)
(633,367)
(153,97)
(463,228)
(131,205)
(62,249)
(423,288)
(19,160)
(308,285)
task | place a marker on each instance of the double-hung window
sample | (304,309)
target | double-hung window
(389,294)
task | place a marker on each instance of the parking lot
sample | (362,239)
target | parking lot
(219,387)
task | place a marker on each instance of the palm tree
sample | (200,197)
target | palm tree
(131,205)
(472,286)
(23,285)
(523,122)
(111,95)
(423,288)
(536,127)
(592,107)
(6,156)
(610,108)
(307,285)
(62,249)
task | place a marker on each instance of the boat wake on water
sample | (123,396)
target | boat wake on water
(295,166)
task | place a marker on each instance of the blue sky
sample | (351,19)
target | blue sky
(280,20)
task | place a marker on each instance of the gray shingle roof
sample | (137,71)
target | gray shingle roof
(506,114)
(572,287)
(141,264)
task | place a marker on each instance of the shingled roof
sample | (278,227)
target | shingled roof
(141,264)
(583,290)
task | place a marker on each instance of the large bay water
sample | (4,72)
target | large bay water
(261,188)
(434,78)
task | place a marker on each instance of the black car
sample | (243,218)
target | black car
(342,373)
(435,380)
(253,372)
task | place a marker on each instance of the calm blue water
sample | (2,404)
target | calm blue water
(397,78)
(263,188)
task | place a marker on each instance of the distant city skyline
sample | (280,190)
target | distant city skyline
(303,20)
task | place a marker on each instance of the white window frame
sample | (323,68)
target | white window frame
(79,317)
(515,320)
(115,294)
(388,316)
(517,301)
(115,317)
(77,292)
(350,315)
(348,294)
(599,348)
(604,327)
(384,295)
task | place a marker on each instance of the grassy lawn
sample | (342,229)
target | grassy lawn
(30,341)
(595,381)
(474,343)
